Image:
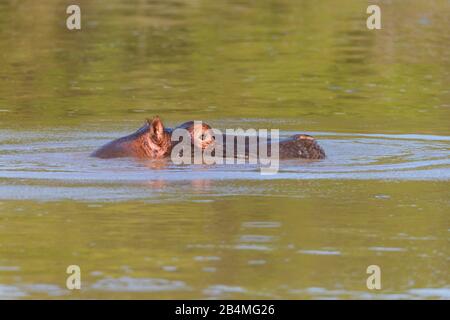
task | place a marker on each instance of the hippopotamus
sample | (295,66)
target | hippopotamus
(153,141)
(150,141)
(301,146)
(298,146)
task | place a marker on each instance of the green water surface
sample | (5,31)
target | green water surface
(308,66)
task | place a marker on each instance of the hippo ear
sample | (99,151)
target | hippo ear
(156,127)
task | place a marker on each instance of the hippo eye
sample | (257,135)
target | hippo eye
(203,137)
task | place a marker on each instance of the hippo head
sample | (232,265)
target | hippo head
(158,138)
(200,132)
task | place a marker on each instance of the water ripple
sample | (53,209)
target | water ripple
(57,165)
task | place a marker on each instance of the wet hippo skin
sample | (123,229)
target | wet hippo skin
(299,146)
(151,141)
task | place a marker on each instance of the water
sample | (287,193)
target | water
(56,165)
(378,103)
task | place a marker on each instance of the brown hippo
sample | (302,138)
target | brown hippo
(200,134)
(153,141)
(150,141)
(298,146)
